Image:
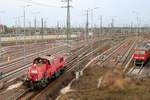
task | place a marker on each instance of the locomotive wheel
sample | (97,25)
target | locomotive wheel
(57,74)
(62,71)
(44,82)
(32,86)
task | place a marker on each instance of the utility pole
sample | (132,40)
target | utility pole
(24,25)
(131,28)
(19,28)
(35,25)
(24,32)
(58,28)
(15,31)
(35,30)
(137,19)
(68,19)
(87,25)
(92,19)
(112,24)
(45,28)
(30,30)
(42,33)
(101,25)
(68,32)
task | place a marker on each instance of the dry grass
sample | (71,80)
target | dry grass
(115,80)
(91,75)
(115,86)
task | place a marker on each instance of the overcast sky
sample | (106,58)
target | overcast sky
(51,11)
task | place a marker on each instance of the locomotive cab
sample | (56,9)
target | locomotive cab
(139,57)
(141,54)
(43,69)
(35,72)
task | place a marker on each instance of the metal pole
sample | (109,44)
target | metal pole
(45,27)
(35,30)
(92,20)
(24,31)
(15,27)
(137,18)
(24,18)
(42,33)
(112,25)
(30,30)
(101,24)
(19,28)
(87,26)
(68,33)
(68,23)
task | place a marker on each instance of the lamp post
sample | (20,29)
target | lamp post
(24,26)
(137,19)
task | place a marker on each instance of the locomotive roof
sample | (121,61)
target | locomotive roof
(51,57)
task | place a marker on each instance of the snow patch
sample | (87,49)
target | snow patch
(66,90)
(14,86)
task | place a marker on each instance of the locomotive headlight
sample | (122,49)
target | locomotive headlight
(142,57)
(34,71)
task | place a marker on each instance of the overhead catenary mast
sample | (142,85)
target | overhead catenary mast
(68,32)
(87,25)
(101,26)
(42,26)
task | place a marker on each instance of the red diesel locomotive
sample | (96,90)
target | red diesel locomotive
(141,54)
(43,70)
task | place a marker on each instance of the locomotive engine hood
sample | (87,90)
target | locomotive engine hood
(33,73)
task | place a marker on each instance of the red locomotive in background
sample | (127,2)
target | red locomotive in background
(44,69)
(141,54)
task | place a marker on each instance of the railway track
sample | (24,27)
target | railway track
(71,67)
(8,54)
(23,62)
(14,52)
(84,51)
(24,90)
(135,71)
(106,57)
(73,59)
(139,72)
(20,65)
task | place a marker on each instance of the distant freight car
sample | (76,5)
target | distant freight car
(43,70)
(141,54)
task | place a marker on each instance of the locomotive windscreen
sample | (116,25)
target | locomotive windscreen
(39,61)
(140,52)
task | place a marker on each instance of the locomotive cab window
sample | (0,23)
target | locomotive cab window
(139,52)
(39,61)
(47,62)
